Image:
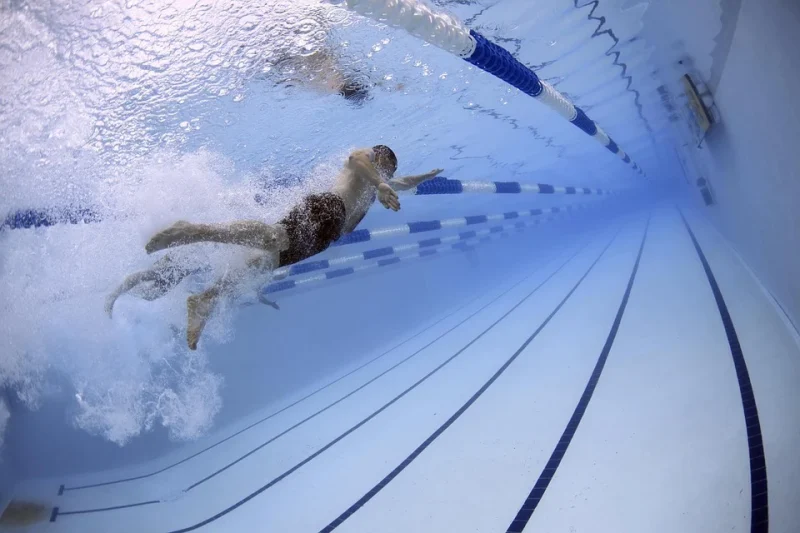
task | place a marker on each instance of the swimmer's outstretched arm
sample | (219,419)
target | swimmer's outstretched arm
(409,182)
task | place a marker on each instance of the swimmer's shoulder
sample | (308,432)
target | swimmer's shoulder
(363,155)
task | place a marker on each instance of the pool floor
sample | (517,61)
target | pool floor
(601,393)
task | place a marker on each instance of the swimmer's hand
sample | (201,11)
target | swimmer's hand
(388,197)
(432,174)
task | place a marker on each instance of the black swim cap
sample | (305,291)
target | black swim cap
(386,152)
(354,91)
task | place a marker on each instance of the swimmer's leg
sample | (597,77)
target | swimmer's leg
(263,263)
(164,274)
(130,282)
(200,306)
(250,233)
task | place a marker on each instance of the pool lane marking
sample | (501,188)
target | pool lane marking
(399,468)
(56,511)
(63,488)
(383,408)
(535,495)
(759,500)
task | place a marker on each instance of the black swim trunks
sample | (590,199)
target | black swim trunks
(312,226)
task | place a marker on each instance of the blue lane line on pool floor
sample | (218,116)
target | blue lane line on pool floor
(57,512)
(408,358)
(535,496)
(759,501)
(63,488)
(383,408)
(137,504)
(394,473)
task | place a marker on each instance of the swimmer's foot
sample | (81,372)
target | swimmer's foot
(199,307)
(265,301)
(110,300)
(181,232)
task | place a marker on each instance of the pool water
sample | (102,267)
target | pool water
(559,343)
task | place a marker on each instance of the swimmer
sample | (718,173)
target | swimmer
(153,283)
(323,72)
(308,229)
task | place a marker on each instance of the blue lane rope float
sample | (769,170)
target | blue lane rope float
(448,33)
(287,284)
(388,251)
(389,254)
(465,244)
(36,218)
(449,186)
(364,235)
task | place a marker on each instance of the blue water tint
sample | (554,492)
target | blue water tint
(541,338)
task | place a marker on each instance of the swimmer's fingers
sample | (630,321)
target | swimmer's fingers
(435,172)
(392,203)
(389,199)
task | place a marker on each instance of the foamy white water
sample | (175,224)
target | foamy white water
(101,118)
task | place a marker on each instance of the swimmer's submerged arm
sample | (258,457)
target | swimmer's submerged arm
(409,182)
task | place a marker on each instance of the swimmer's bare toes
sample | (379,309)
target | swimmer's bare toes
(174,235)
(192,338)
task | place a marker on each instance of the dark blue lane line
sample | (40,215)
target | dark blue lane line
(408,358)
(63,488)
(512,287)
(759,504)
(535,496)
(379,411)
(56,512)
(399,468)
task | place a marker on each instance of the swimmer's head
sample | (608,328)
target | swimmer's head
(354,91)
(385,160)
